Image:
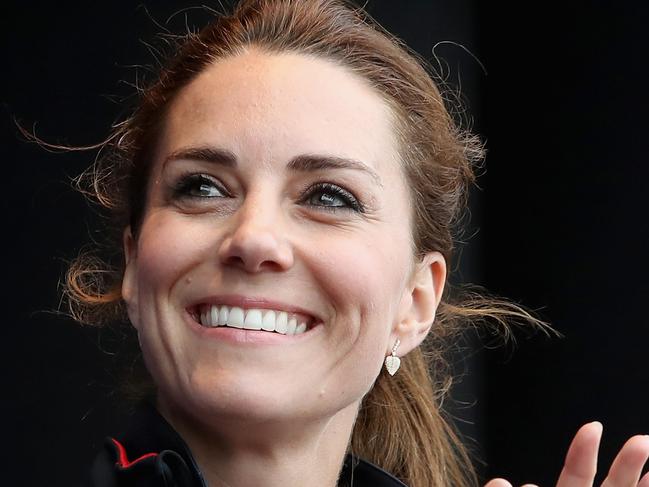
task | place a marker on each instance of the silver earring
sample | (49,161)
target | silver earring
(392,362)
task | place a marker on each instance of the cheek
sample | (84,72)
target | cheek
(369,272)
(167,247)
(364,280)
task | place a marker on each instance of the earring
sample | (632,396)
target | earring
(392,362)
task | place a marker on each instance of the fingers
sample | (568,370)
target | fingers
(504,483)
(581,460)
(644,481)
(498,483)
(627,466)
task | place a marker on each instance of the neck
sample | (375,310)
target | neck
(241,453)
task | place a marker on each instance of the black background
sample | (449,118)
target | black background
(561,216)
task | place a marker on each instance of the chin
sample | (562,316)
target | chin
(212,397)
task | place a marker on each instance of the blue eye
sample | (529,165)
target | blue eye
(199,186)
(331,197)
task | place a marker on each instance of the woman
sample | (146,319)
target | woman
(286,193)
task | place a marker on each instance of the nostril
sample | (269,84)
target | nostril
(234,260)
(253,265)
(256,251)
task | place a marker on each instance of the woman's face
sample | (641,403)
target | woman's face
(276,197)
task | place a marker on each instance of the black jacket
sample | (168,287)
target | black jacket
(152,454)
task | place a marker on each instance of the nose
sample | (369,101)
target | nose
(256,241)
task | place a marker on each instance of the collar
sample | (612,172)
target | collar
(151,452)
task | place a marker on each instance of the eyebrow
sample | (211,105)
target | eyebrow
(300,163)
(207,154)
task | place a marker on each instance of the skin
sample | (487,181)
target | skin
(580,466)
(282,414)
(278,414)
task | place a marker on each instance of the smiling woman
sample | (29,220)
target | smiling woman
(286,193)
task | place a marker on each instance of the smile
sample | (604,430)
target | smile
(270,320)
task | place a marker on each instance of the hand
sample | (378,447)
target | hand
(581,462)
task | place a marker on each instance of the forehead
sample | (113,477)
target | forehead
(271,107)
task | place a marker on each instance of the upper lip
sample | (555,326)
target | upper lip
(253,302)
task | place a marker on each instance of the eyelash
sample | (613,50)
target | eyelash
(351,202)
(186,185)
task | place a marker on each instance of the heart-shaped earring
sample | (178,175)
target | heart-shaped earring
(392,362)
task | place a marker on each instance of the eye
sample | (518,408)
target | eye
(199,186)
(331,197)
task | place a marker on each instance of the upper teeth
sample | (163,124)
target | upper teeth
(252,319)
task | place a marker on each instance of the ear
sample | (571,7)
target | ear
(419,303)
(129,280)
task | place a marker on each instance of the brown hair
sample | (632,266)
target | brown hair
(401,425)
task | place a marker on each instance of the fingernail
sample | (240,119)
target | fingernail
(598,425)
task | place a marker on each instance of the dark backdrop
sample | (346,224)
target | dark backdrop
(566,226)
(561,216)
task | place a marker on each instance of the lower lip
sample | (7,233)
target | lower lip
(242,336)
